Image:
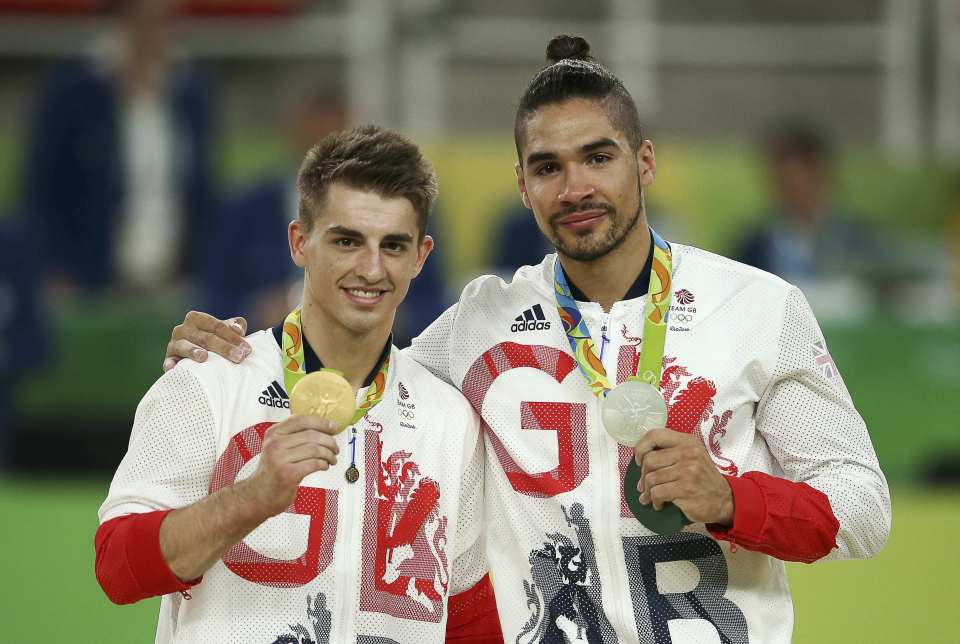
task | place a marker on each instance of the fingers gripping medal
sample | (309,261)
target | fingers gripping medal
(629,411)
(326,394)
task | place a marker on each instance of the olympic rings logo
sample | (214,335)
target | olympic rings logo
(681,317)
(405,413)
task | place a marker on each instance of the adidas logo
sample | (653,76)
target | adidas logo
(274,396)
(532,319)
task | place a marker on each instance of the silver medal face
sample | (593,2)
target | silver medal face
(630,409)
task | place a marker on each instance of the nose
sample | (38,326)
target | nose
(576,186)
(370,265)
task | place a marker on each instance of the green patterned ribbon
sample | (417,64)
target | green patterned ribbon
(655,313)
(293,367)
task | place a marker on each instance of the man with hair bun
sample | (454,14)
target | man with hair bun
(759,454)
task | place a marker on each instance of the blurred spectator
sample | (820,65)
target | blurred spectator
(24,333)
(248,270)
(427,297)
(804,237)
(517,241)
(118,168)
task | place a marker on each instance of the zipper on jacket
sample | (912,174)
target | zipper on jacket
(603,335)
(348,505)
(610,503)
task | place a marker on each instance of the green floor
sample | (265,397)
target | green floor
(907,594)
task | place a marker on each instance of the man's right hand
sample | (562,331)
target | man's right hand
(200,333)
(292,450)
(193,538)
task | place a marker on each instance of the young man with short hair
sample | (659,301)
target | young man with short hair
(297,532)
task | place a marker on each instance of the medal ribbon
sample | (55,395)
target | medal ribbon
(655,313)
(293,366)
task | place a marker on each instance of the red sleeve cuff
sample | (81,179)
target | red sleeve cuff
(129,563)
(785,519)
(146,559)
(749,512)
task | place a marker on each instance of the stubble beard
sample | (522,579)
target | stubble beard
(590,250)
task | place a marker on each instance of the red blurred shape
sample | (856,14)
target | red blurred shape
(48,6)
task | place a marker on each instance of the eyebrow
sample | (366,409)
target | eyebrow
(537,157)
(343,231)
(599,144)
(398,237)
(587,148)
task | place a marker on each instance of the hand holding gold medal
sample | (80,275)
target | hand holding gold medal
(326,393)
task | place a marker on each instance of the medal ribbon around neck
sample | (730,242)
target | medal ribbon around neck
(655,313)
(293,366)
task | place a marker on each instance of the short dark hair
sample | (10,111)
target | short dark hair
(367,158)
(571,72)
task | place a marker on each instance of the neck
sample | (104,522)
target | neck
(353,354)
(144,78)
(142,69)
(607,279)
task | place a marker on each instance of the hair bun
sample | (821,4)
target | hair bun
(565,47)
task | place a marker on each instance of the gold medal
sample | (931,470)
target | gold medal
(325,394)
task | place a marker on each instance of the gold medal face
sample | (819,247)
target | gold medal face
(324,394)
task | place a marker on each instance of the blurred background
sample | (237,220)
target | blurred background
(148,151)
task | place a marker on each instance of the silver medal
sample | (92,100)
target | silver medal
(630,409)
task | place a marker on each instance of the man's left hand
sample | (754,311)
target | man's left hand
(676,468)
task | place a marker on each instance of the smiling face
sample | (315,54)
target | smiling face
(358,256)
(582,179)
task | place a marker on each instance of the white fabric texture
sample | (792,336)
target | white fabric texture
(746,369)
(348,562)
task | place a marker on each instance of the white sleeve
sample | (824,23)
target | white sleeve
(813,430)
(469,560)
(432,347)
(172,450)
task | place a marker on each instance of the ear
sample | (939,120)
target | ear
(647,163)
(522,186)
(425,247)
(297,237)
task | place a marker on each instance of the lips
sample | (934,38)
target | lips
(364,296)
(581,220)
